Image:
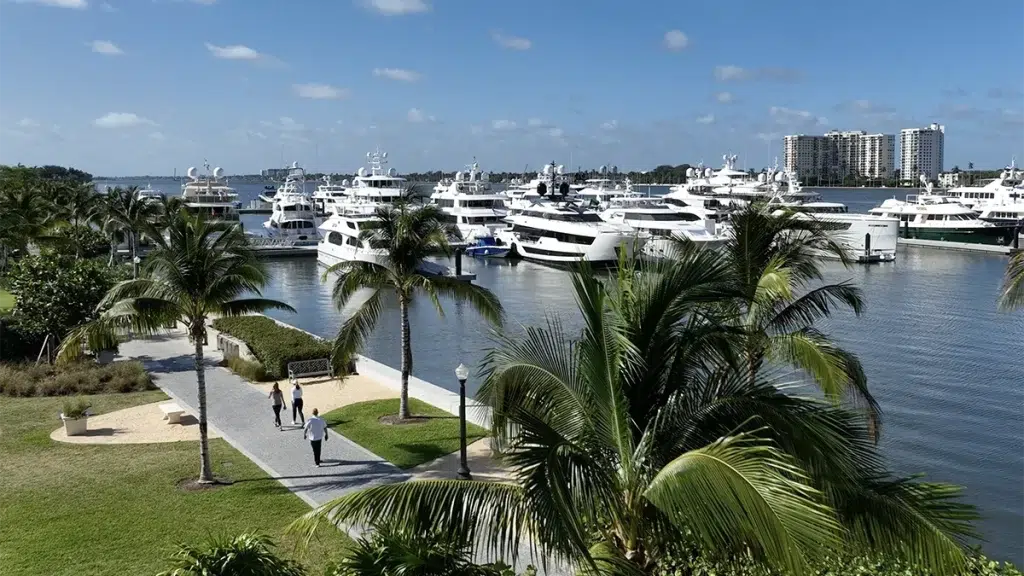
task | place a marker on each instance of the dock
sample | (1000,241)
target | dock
(280,247)
(958,246)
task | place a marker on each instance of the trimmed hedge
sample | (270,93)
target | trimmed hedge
(272,344)
(252,371)
(77,378)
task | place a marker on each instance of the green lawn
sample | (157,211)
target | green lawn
(115,509)
(404,445)
(6,301)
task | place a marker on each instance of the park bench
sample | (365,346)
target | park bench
(172,412)
(305,368)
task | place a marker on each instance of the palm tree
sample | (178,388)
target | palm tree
(24,218)
(243,555)
(200,269)
(639,440)
(407,235)
(775,264)
(1012,295)
(394,550)
(126,214)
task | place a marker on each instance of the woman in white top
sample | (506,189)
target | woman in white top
(297,405)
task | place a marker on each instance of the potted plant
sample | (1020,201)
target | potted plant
(75,416)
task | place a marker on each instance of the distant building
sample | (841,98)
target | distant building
(841,154)
(922,151)
(953,179)
(274,173)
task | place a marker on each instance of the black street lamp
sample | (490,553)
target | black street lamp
(462,373)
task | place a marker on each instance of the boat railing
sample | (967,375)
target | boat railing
(267,242)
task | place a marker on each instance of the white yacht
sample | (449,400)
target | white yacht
(597,192)
(470,204)
(379,185)
(328,194)
(932,217)
(658,223)
(292,215)
(1000,201)
(552,229)
(149,193)
(210,194)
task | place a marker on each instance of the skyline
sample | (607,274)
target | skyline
(149,87)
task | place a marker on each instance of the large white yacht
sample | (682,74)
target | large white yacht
(597,192)
(149,193)
(210,194)
(379,185)
(658,223)
(933,217)
(470,204)
(292,215)
(1000,201)
(550,228)
(328,194)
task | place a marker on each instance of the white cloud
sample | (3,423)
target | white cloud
(397,74)
(675,40)
(158,136)
(556,132)
(28,123)
(320,91)
(732,73)
(610,125)
(512,42)
(796,118)
(255,134)
(107,7)
(706,119)
(284,124)
(233,52)
(105,47)
(503,125)
(535,122)
(397,7)
(416,115)
(122,120)
(474,129)
(76,4)
(724,97)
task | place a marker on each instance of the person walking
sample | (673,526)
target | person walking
(277,402)
(297,405)
(315,430)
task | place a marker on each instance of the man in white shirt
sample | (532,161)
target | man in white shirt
(316,430)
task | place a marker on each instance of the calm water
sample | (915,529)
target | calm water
(947,368)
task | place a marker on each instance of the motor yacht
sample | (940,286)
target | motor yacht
(661,225)
(552,228)
(292,215)
(378,185)
(210,194)
(470,204)
(1000,201)
(931,216)
(149,193)
(328,194)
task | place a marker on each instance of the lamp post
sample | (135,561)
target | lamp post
(462,373)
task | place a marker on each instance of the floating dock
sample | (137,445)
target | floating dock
(280,247)
(959,246)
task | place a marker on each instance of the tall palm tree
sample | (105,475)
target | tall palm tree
(775,263)
(24,218)
(1011,297)
(407,235)
(126,214)
(199,270)
(640,439)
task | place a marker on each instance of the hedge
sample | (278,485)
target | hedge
(78,378)
(272,344)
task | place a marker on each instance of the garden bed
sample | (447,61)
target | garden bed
(272,344)
(77,378)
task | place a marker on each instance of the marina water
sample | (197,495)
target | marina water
(946,366)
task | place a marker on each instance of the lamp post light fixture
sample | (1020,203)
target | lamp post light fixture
(462,373)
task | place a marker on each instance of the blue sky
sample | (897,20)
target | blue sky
(126,87)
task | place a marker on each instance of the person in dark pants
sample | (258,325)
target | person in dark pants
(276,402)
(315,430)
(297,405)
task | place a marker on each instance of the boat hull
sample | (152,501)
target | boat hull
(487,251)
(604,249)
(998,235)
(866,239)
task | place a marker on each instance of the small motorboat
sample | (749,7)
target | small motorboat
(487,247)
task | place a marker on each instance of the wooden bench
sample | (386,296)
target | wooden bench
(305,368)
(172,412)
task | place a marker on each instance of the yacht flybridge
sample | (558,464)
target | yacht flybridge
(379,185)
(547,226)
(660,225)
(328,194)
(292,215)
(470,204)
(210,194)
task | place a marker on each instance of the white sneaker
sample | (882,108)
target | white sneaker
(293,423)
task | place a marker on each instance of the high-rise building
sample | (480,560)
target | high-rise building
(922,151)
(841,154)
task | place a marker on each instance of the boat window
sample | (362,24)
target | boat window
(663,216)
(351,225)
(351,241)
(568,216)
(529,232)
(335,238)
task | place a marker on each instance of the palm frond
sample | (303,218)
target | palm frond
(355,330)
(485,302)
(1011,295)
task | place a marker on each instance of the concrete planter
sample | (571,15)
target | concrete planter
(75,426)
(105,356)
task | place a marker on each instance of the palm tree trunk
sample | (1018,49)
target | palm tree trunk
(205,469)
(134,246)
(113,250)
(403,403)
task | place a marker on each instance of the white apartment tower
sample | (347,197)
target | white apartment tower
(841,154)
(806,155)
(877,156)
(922,151)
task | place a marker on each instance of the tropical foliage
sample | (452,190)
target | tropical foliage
(273,345)
(198,271)
(125,214)
(406,235)
(663,427)
(243,555)
(1011,296)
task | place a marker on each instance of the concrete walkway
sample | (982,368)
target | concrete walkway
(242,415)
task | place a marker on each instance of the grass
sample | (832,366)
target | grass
(101,510)
(6,301)
(404,445)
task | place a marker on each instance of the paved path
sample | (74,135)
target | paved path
(241,414)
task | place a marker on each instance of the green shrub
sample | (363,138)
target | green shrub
(78,378)
(272,344)
(87,241)
(252,371)
(75,409)
(15,344)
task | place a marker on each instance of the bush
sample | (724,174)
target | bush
(87,241)
(15,344)
(252,371)
(75,409)
(78,378)
(272,344)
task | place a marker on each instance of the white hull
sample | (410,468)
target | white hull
(664,247)
(604,249)
(331,254)
(883,232)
